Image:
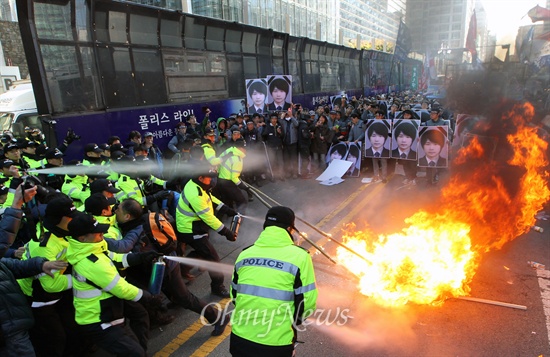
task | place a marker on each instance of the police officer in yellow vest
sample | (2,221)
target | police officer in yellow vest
(99,290)
(132,186)
(195,216)
(34,161)
(51,297)
(229,184)
(209,152)
(273,289)
(100,207)
(76,186)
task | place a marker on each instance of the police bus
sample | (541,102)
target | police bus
(105,67)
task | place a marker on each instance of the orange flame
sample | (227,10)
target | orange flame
(486,204)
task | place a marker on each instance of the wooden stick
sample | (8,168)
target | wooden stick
(492,302)
(255,193)
(259,192)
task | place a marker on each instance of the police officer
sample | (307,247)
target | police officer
(28,148)
(132,186)
(51,298)
(195,217)
(99,290)
(272,279)
(76,186)
(12,151)
(229,184)
(54,158)
(207,145)
(92,155)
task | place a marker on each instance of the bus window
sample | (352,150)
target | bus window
(143,30)
(170,33)
(149,76)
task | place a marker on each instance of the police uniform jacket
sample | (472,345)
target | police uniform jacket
(210,154)
(97,286)
(274,277)
(195,211)
(232,165)
(76,188)
(43,289)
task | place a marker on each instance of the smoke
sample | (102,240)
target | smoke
(368,327)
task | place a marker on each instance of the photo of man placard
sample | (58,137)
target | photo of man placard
(433,150)
(279,97)
(337,151)
(256,90)
(354,156)
(377,144)
(404,134)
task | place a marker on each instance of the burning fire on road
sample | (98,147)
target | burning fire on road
(498,182)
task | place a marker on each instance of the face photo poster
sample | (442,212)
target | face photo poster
(433,150)
(377,138)
(337,151)
(403,139)
(256,96)
(279,95)
(354,156)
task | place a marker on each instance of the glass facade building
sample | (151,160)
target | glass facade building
(351,23)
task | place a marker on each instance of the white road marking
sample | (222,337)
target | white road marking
(544,283)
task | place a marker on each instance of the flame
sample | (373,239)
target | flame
(497,185)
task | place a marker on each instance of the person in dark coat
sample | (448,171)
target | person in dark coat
(322,136)
(16,317)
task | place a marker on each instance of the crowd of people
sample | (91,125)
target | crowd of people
(87,220)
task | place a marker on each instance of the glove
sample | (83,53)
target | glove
(161,195)
(145,298)
(141,258)
(157,196)
(151,302)
(172,185)
(225,209)
(228,234)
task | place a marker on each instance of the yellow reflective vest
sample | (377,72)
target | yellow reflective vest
(133,188)
(210,154)
(232,165)
(273,286)
(76,188)
(44,289)
(114,231)
(97,286)
(194,206)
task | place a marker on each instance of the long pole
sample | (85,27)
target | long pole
(492,302)
(258,192)
(255,193)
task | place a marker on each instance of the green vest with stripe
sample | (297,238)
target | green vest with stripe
(44,289)
(232,165)
(273,286)
(195,205)
(210,154)
(98,288)
(130,188)
(76,188)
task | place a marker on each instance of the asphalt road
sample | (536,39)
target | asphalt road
(348,324)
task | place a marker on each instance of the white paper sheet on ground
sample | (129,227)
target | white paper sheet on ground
(366,180)
(336,168)
(332,181)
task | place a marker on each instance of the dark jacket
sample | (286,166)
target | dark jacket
(15,312)
(322,137)
(271,137)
